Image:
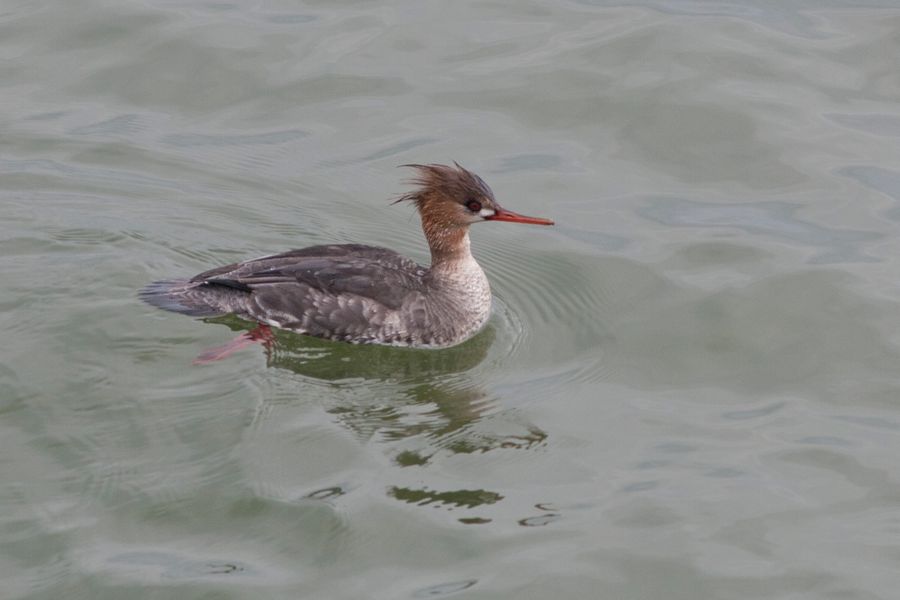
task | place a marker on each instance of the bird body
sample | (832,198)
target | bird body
(364,294)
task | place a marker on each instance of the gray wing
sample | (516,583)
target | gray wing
(379,274)
(338,291)
(375,254)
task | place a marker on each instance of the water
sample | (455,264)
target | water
(689,388)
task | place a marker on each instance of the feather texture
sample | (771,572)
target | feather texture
(364,294)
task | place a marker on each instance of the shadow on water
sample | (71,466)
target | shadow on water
(422,404)
(343,363)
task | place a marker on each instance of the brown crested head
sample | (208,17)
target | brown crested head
(449,199)
(451,195)
(455,196)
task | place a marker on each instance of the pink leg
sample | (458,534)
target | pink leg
(260,334)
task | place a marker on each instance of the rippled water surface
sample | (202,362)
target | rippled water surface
(690,387)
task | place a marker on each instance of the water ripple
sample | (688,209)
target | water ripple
(882,180)
(167,565)
(774,219)
(187,140)
(444,589)
(887,125)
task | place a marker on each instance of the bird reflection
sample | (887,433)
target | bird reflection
(421,403)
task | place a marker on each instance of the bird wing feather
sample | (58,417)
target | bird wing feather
(378,274)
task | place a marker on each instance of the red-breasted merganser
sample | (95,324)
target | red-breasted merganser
(365,294)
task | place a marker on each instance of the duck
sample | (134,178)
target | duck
(365,294)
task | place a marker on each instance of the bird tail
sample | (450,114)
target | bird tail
(180,296)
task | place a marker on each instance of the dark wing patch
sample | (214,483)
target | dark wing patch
(383,284)
(229,283)
(331,251)
(369,272)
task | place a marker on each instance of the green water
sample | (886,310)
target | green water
(689,388)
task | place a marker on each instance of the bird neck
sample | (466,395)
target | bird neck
(448,245)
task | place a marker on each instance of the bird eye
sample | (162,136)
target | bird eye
(473,205)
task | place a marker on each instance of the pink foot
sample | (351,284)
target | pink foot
(261,334)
